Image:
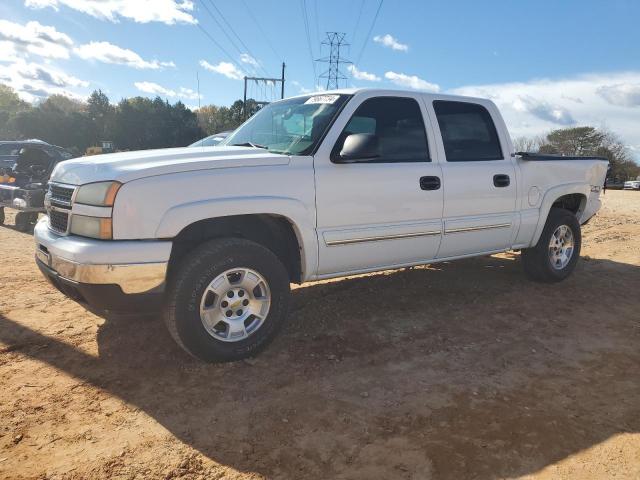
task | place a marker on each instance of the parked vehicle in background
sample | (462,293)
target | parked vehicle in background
(24,178)
(614,184)
(106,146)
(312,187)
(9,151)
(632,185)
(212,140)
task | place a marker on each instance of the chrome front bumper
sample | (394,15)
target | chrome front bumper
(135,266)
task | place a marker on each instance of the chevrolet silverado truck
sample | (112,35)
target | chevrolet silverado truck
(311,187)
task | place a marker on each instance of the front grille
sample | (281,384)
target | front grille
(60,194)
(58,221)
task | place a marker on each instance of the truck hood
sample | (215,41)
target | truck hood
(127,166)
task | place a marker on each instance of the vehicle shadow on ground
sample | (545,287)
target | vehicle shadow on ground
(456,371)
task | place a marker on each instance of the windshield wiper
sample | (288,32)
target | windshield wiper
(249,144)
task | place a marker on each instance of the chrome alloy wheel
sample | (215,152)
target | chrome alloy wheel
(561,247)
(235,304)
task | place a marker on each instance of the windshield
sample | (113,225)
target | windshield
(210,141)
(291,127)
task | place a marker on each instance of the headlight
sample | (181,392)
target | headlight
(94,227)
(100,194)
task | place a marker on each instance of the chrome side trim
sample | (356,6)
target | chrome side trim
(475,229)
(348,241)
(132,277)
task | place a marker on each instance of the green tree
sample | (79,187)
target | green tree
(213,119)
(58,120)
(10,106)
(141,123)
(592,141)
(101,114)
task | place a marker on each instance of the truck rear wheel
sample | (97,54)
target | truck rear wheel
(227,299)
(558,249)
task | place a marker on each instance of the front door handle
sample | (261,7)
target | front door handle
(501,180)
(429,183)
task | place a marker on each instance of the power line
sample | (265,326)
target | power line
(366,39)
(266,37)
(237,36)
(355,29)
(306,29)
(315,8)
(222,29)
(215,42)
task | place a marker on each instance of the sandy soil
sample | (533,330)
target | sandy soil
(455,371)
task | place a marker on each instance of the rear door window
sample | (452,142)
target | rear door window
(468,132)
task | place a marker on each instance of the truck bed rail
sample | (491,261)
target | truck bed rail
(543,157)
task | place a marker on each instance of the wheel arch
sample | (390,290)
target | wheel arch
(275,232)
(572,197)
(243,217)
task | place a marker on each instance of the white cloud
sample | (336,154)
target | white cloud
(188,94)
(155,89)
(411,81)
(362,75)
(34,38)
(622,94)
(538,106)
(8,52)
(249,60)
(109,53)
(391,42)
(140,11)
(227,69)
(544,110)
(301,88)
(33,81)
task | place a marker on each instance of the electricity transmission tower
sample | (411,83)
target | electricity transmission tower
(333,75)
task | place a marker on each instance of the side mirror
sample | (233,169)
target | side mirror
(359,146)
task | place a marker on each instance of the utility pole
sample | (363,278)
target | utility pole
(257,81)
(282,83)
(335,41)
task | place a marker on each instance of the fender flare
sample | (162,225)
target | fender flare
(294,211)
(550,197)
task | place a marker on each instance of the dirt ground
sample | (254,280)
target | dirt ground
(455,371)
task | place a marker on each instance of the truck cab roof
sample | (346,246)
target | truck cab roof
(395,91)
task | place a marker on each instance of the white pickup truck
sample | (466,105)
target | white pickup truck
(311,187)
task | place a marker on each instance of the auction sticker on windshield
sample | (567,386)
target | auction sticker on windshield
(322,99)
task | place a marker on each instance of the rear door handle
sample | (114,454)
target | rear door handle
(501,180)
(429,183)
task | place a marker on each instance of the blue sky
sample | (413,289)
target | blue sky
(547,64)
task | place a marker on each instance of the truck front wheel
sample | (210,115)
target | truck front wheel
(558,249)
(227,299)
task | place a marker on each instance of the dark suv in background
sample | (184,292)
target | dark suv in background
(25,168)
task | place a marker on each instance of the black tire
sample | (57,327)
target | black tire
(1,215)
(536,261)
(25,220)
(189,281)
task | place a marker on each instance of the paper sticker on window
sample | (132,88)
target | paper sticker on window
(322,99)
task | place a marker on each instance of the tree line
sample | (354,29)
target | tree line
(132,124)
(139,123)
(584,141)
